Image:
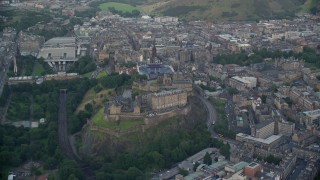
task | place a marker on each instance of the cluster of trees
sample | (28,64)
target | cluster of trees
(5,95)
(58,31)
(233,91)
(221,125)
(308,54)
(207,159)
(116,80)
(18,145)
(224,149)
(19,108)
(133,13)
(209,88)
(26,64)
(241,59)
(83,65)
(315,7)
(21,20)
(270,159)
(161,151)
(129,64)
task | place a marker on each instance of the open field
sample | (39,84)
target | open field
(117,6)
(98,120)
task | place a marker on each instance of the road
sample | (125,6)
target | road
(229,113)
(211,115)
(300,166)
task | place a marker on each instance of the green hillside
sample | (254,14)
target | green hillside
(225,9)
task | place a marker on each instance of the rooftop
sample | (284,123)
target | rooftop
(193,176)
(165,93)
(268,140)
(245,80)
(218,164)
(61,40)
(312,114)
(237,167)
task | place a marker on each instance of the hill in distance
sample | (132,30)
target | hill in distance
(226,10)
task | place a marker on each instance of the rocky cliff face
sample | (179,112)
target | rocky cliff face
(96,143)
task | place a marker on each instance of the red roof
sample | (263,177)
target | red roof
(43,177)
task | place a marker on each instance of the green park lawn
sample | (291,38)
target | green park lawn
(98,120)
(118,6)
(38,69)
(102,74)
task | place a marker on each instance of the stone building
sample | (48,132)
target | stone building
(123,107)
(289,64)
(58,52)
(29,44)
(309,118)
(168,99)
(263,130)
(285,128)
(243,83)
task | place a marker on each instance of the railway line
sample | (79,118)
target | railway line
(64,142)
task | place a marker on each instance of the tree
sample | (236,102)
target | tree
(68,168)
(89,107)
(314,10)
(195,166)
(83,65)
(264,98)
(51,177)
(207,159)
(233,91)
(133,173)
(183,172)
(72,177)
(225,150)
(274,88)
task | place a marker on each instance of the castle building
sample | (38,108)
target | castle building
(168,99)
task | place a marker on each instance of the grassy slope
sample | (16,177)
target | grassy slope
(98,98)
(102,74)
(224,9)
(309,4)
(118,6)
